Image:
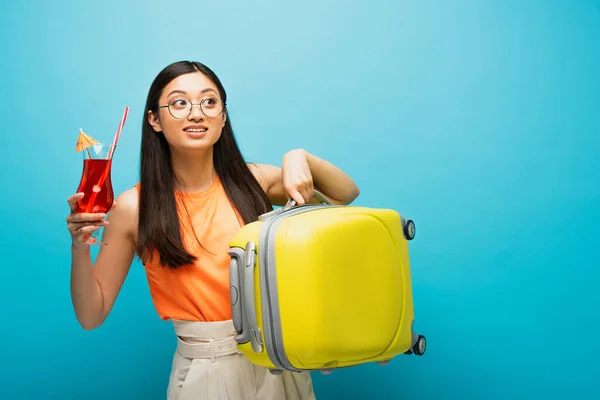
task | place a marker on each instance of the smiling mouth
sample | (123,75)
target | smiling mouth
(196,130)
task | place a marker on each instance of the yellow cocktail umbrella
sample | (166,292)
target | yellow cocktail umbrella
(84,141)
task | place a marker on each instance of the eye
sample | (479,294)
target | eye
(210,102)
(179,103)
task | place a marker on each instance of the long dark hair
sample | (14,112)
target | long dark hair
(158,226)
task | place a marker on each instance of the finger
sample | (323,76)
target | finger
(83,239)
(310,191)
(86,217)
(75,226)
(309,186)
(296,195)
(73,199)
(305,196)
(304,187)
(86,230)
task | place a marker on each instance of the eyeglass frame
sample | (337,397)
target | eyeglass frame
(192,107)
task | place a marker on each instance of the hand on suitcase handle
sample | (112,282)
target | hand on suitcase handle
(292,203)
(316,195)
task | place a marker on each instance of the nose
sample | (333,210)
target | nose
(196,113)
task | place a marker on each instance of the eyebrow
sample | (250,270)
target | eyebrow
(183,92)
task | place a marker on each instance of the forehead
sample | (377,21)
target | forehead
(192,84)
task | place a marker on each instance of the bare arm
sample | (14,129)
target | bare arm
(94,287)
(305,169)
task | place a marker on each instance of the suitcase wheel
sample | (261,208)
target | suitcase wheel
(384,362)
(326,371)
(420,346)
(275,371)
(409,229)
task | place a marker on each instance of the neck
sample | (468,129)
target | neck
(194,171)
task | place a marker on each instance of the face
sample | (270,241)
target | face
(201,128)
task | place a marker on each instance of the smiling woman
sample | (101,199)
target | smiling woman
(194,194)
(181,105)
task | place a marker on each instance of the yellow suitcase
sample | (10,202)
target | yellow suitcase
(323,286)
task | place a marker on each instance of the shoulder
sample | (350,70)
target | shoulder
(125,210)
(129,200)
(267,175)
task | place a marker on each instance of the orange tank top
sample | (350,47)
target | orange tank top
(198,292)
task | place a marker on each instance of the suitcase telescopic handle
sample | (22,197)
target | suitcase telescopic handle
(292,203)
(243,263)
(235,291)
(249,302)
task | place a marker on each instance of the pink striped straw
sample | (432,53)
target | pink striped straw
(116,139)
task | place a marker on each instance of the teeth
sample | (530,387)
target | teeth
(196,130)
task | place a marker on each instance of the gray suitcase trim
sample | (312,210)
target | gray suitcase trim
(270,305)
(243,298)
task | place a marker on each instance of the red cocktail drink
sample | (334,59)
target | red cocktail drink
(96,183)
(98,196)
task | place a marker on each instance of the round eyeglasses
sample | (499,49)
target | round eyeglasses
(180,108)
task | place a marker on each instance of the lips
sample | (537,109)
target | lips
(195,129)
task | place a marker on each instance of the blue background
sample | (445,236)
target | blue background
(478,119)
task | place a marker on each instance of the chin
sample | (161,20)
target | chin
(197,144)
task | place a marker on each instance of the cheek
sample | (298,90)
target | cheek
(216,125)
(170,128)
(216,133)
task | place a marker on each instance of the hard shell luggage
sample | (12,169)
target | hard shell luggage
(323,286)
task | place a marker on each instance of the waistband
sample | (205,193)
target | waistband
(207,340)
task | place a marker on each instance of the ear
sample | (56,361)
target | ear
(153,120)
(224,119)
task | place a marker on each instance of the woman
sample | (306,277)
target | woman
(194,194)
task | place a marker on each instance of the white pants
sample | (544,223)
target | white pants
(208,366)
